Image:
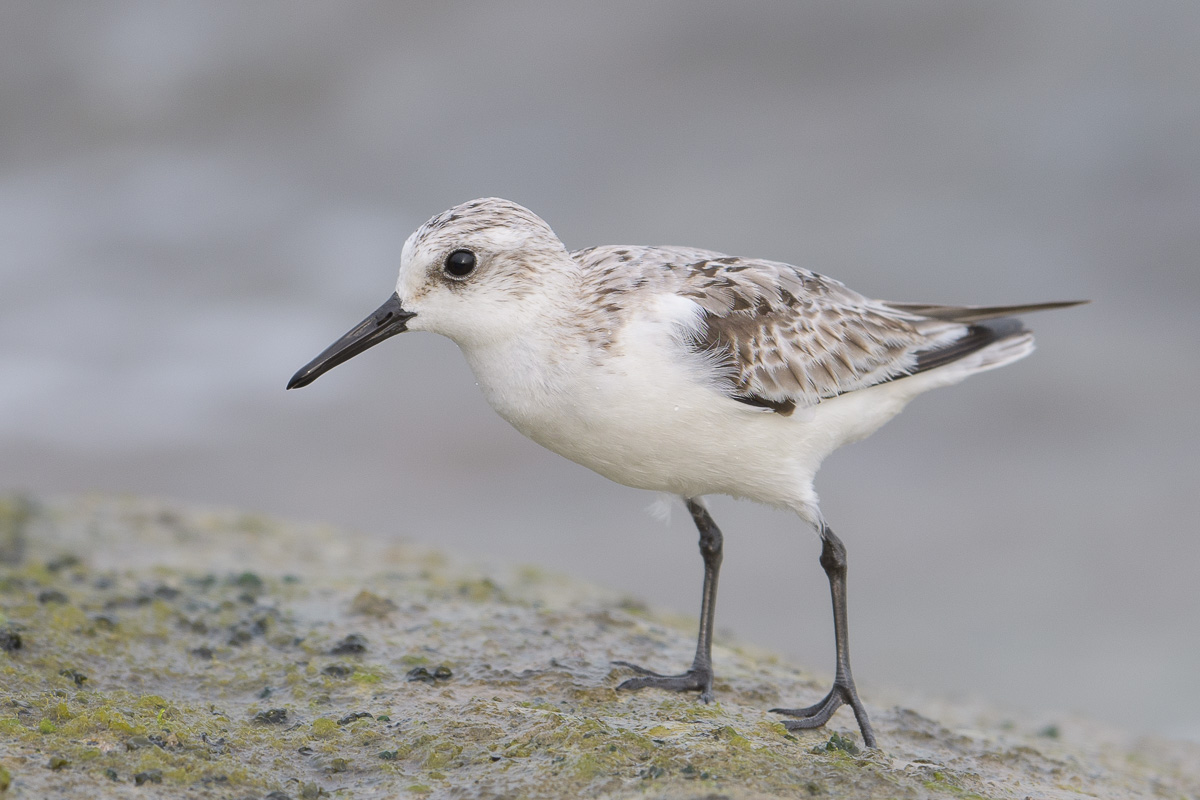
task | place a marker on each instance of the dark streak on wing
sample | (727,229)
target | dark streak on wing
(784,408)
(990,324)
(977,337)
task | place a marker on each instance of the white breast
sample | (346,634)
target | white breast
(645,412)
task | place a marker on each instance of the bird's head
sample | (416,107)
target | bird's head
(480,272)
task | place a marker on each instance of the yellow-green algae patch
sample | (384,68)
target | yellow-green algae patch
(228,655)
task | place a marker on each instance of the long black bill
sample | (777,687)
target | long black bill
(388,320)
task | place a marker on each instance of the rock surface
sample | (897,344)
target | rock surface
(227,655)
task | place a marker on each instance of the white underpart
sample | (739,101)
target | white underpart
(645,412)
(662,507)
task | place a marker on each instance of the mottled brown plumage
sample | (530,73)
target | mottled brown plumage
(781,336)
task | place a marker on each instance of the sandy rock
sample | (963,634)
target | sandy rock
(237,656)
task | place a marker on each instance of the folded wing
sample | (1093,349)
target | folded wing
(779,336)
(785,337)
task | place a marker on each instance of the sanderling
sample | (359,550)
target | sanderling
(681,370)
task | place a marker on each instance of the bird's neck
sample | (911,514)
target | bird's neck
(528,376)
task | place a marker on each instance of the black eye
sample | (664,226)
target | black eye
(460,263)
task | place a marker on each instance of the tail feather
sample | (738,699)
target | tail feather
(978,337)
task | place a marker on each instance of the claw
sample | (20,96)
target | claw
(818,714)
(694,680)
(638,669)
(807,711)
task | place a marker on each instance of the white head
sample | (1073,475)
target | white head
(480,273)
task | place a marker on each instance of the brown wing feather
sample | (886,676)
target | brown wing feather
(787,336)
(780,336)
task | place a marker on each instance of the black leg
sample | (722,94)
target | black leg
(833,560)
(699,678)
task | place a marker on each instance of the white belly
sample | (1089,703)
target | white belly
(644,416)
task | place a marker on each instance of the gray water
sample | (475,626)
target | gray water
(197,198)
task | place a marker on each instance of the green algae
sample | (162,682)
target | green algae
(323,727)
(179,663)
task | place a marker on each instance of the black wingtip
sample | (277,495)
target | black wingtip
(969,314)
(1059,304)
(298,380)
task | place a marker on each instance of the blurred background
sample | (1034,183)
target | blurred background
(197,198)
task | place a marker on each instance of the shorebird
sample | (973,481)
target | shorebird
(681,370)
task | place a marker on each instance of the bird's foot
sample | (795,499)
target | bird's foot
(696,679)
(818,714)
